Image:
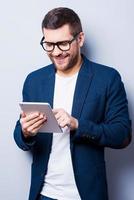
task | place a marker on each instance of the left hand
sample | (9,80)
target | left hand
(64,119)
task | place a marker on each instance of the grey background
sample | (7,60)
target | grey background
(109,30)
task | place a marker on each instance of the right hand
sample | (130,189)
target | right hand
(31,123)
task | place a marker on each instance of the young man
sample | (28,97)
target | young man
(90,105)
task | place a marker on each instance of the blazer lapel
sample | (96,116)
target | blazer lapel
(47,89)
(82,86)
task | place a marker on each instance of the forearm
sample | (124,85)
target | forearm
(22,142)
(114,135)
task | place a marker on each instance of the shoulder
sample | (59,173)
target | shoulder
(41,72)
(101,71)
(37,77)
(104,69)
(103,76)
(107,78)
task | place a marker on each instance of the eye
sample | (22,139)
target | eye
(65,43)
(48,44)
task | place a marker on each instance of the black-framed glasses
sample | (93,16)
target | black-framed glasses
(63,45)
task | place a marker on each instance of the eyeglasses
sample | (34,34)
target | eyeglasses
(63,45)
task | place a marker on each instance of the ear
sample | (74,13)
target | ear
(81,38)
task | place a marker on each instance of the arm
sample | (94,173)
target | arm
(115,130)
(27,126)
(21,141)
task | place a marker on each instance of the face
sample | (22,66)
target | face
(64,60)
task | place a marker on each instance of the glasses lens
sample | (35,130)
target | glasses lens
(48,46)
(64,46)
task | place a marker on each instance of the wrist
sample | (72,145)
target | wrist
(75,124)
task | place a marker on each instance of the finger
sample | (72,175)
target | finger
(36,130)
(36,126)
(56,110)
(31,116)
(26,125)
(63,125)
(64,122)
(32,132)
(61,115)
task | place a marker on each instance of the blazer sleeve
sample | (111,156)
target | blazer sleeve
(115,130)
(24,144)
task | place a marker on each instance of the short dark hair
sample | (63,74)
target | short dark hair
(60,16)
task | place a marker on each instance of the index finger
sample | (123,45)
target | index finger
(31,116)
(56,110)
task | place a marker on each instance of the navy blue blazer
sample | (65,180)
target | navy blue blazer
(100,105)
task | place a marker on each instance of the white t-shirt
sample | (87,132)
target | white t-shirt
(59,181)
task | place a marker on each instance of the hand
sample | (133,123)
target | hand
(31,123)
(64,119)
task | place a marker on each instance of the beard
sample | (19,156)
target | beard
(64,61)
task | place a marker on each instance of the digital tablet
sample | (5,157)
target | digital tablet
(51,125)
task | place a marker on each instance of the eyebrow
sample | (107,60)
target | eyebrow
(55,42)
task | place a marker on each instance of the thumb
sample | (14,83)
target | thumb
(23,114)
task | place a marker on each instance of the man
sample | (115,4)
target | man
(90,105)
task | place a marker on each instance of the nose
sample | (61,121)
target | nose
(56,51)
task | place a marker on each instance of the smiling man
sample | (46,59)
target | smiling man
(90,105)
(66,53)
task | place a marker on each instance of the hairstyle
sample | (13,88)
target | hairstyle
(60,16)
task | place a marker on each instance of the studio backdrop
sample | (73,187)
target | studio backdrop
(109,33)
